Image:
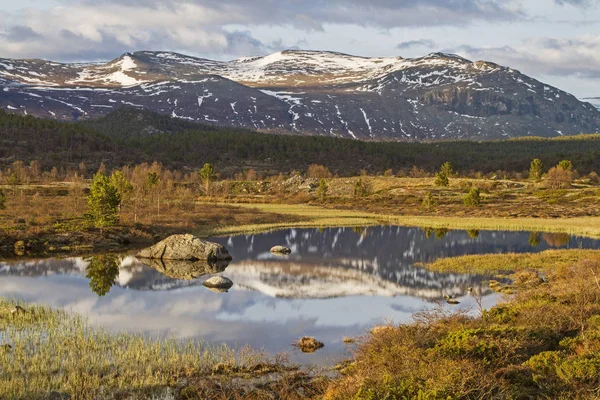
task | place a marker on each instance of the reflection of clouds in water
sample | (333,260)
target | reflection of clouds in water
(187,313)
(276,299)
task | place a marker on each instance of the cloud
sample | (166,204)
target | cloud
(78,30)
(574,57)
(576,3)
(416,43)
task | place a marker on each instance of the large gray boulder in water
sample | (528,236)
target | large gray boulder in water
(186,247)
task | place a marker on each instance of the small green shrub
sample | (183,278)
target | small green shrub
(473,198)
(429,202)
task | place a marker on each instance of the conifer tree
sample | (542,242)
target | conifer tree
(207,175)
(536,170)
(103,202)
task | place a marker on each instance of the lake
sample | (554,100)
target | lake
(337,282)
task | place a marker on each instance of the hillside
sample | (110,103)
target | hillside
(439,96)
(131,136)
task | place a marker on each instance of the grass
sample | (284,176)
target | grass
(51,350)
(300,216)
(319,216)
(49,217)
(495,263)
(542,342)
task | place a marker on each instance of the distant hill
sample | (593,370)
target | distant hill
(435,97)
(132,136)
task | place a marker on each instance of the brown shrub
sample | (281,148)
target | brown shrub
(318,171)
(559,178)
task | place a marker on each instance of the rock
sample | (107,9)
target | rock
(308,344)
(186,270)
(218,282)
(281,250)
(186,247)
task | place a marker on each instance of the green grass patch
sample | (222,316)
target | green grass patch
(496,263)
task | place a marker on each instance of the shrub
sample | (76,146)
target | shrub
(473,198)
(362,188)
(318,171)
(559,178)
(441,179)
(429,203)
(594,178)
(2,200)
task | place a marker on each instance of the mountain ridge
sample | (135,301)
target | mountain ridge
(437,96)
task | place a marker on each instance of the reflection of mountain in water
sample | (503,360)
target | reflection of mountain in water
(378,260)
(333,262)
(298,281)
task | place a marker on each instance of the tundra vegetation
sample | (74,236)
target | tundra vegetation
(59,194)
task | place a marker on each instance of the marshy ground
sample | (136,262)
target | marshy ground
(543,341)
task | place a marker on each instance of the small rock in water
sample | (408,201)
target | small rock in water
(218,282)
(309,344)
(281,250)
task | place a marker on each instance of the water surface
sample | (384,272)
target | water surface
(337,282)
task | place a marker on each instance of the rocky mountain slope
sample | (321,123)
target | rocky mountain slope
(439,96)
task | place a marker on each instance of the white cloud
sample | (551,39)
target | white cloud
(95,30)
(578,57)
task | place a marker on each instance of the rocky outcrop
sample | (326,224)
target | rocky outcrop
(186,248)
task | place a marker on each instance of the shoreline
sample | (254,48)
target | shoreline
(124,238)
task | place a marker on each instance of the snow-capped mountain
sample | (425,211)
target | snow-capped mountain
(595,101)
(439,96)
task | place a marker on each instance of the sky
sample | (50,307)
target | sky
(555,41)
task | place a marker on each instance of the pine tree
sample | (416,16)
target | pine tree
(322,190)
(441,178)
(102,271)
(536,170)
(429,203)
(446,169)
(103,202)
(566,165)
(207,175)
